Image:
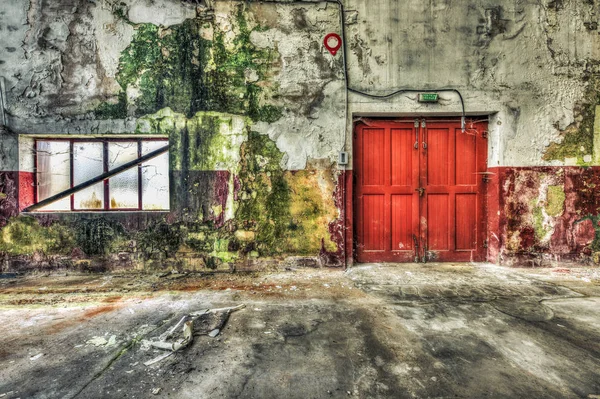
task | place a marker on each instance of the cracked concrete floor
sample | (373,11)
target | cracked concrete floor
(374,331)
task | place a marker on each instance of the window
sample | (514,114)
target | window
(62,164)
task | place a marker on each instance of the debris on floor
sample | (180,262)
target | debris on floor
(204,322)
(101,341)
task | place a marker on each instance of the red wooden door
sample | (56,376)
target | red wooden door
(387,206)
(419,193)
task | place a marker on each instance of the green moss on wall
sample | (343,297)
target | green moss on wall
(555,200)
(117,110)
(265,196)
(538,223)
(206,141)
(595,246)
(312,209)
(596,243)
(211,141)
(177,67)
(24,235)
(578,139)
(287,212)
(96,236)
(160,239)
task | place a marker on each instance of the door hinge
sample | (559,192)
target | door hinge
(484,134)
(485,179)
(416,123)
(423,124)
(485,243)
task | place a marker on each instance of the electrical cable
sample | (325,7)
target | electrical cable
(400,91)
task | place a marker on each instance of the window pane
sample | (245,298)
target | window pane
(87,164)
(123,188)
(155,177)
(53,173)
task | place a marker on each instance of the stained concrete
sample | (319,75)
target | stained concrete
(375,331)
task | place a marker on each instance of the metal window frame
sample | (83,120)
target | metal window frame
(106,182)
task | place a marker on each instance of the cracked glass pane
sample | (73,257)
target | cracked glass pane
(88,162)
(53,173)
(155,177)
(123,188)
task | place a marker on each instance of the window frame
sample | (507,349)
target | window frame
(105,183)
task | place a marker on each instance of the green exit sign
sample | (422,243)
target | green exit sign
(428,97)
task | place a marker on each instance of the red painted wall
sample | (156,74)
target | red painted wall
(540,215)
(26,190)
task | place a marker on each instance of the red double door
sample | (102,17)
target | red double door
(419,191)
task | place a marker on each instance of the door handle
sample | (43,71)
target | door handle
(421,191)
(416,136)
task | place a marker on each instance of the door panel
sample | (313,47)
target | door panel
(437,156)
(437,222)
(373,164)
(387,205)
(455,161)
(466,159)
(419,181)
(374,222)
(402,224)
(402,161)
(466,224)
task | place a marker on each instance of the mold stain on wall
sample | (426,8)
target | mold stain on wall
(577,145)
(190,68)
(203,84)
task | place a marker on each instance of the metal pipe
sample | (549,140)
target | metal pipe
(2,102)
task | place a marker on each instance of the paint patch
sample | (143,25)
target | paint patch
(556,200)
(578,139)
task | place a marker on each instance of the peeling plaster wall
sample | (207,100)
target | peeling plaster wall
(65,65)
(526,64)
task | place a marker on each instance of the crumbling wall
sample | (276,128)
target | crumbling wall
(237,88)
(548,215)
(531,66)
(254,109)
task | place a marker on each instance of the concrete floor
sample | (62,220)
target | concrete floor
(375,331)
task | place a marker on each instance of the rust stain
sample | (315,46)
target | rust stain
(88,314)
(113,299)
